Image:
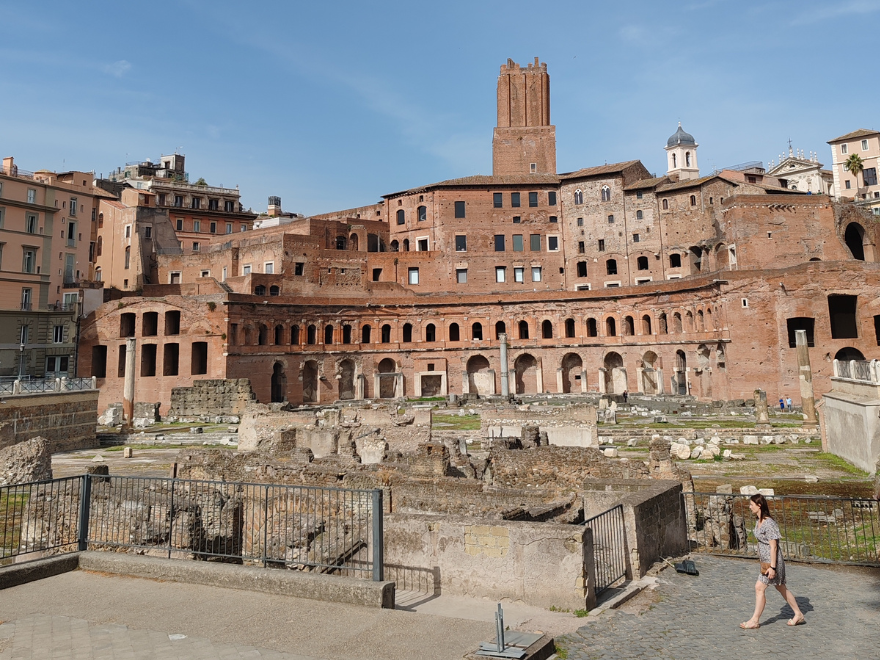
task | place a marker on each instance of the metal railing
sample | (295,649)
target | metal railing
(38,385)
(867,371)
(78,384)
(814,529)
(609,547)
(308,528)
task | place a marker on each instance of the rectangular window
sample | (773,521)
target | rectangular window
(422,213)
(517,242)
(533,199)
(299,266)
(499,242)
(213,227)
(459,210)
(580,222)
(636,238)
(29,261)
(461,243)
(148,232)
(601,245)
(269,268)
(196,247)
(500,273)
(377,273)
(535,242)
(869,174)
(519,274)
(461,275)
(229,207)
(196,202)
(517,219)
(30,223)
(2,214)
(582,268)
(197,225)
(551,198)
(553,243)
(422,245)
(610,219)
(228,227)
(843,148)
(58,334)
(180,224)
(99,361)
(514,200)
(243,227)
(553,218)
(497,200)
(413,275)
(639,195)
(536,273)
(148,360)
(246,269)
(223,276)
(71,234)
(800,323)
(199,361)
(178,201)
(864,145)
(32,195)
(842,313)
(213,204)
(848,184)
(128,231)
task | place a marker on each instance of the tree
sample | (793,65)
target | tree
(201,182)
(855,165)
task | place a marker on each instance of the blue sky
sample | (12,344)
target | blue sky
(332,104)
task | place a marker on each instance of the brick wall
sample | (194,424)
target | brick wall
(66,419)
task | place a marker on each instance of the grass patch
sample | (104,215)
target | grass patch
(429,398)
(458,422)
(839,463)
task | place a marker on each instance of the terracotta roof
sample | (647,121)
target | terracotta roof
(690,183)
(647,183)
(114,203)
(485,180)
(862,132)
(613,168)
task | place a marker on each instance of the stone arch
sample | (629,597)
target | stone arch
(328,334)
(386,383)
(386,334)
(366,331)
(572,373)
(279,383)
(848,353)
(395,246)
(454,332)
(478,372)
(679,376)
(310,381)
(353,242)
(525,369)
(430,332)
(615,374)
(346,379)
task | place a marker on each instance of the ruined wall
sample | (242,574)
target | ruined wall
(541,564)
(67,420)
(211,398)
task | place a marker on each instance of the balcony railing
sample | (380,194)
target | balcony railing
(26,305)
(164,184)
(861,370)
(27,385)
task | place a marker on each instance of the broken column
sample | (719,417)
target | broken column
(128,387)
(808,401)
(762,415)
(505,384)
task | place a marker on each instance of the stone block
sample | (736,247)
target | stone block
(748,490)
(126,452)
(767,439)
(26,462)
(112,416)
(766,492)
(697,452)
(611,452)
(751,440)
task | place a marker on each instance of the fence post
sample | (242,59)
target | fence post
(378,537)
(85,499)
(265,526)
(171,518)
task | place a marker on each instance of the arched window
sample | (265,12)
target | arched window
(422,213)
(430,332)
(294,334)
(259,290)
(365,334)
(701,324)
(406,245)
(328,334)
(674,161)
(628,326)
(665,204)
(569,328)
(100,220)
(676,323)
(395,246)
(693,200)
(687,159)
(407,332)
(97,274)
(639,215)
(646,325)
(578,197)
(643,263)
(675,261)
(311,335)
(611,266)
(274,290)
(547,330)
(477,331)
(346,334)
(500,329)
(341,243)
(610,327)
(263,337)
(606,194)
(127,257)
(386,334)
(592,328)
(454,334)
(99,247)
(401,217)
(664,328)
(523,330)
(279,335)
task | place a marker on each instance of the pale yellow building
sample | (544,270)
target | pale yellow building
(865,189)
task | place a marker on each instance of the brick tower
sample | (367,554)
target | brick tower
(524,141)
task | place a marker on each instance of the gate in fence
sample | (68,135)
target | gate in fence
(609,547)
(328,530)
(815,529)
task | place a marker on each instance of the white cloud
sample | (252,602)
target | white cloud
(117,69)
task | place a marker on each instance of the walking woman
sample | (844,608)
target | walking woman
(770,556)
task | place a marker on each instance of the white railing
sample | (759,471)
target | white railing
(41,385)
(865,371)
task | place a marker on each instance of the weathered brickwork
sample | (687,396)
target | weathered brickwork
(67,420)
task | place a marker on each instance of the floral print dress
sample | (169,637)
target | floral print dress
(765,532)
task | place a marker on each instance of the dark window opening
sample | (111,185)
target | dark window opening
(328,334)
(461,243)
(172,323)
(477,331)
(365,334)
(377,273)
(430,332)
(610,327)
(120,367)
(298,268)
(842,313)
(592,328)
(533,199)
(675,261)
(386,334)
(854,237)
(148,360)
(279,335)
(611,266)
(99,361)
(582,268)
(498,200)
(547,330)
(346,334)
(514,200)
(535,242)
(454,334)
(199,361)
(170,358)
(294,334)
(877,329)
(643,263)
(274,290)
(311,335)
(523,330)
(126,325)
(569,328)
(263,335)
(260,290)
(501,328)
(459,210)
(499,242)
(601,245)
(800,323)
(401,217)
(407,332)
(551,198)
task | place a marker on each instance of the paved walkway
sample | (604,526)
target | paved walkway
(698,617)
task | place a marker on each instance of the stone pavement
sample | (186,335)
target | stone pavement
(698,617)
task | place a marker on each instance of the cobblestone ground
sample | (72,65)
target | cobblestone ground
(699,617)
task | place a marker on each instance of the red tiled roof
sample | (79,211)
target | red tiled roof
(862,132)
(612,168)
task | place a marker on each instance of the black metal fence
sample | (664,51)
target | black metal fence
(815,529)
(328,530)
(609,547)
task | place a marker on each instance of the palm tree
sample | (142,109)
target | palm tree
(855,165)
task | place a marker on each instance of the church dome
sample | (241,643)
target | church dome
(681,138)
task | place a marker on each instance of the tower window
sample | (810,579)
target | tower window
(606,194)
